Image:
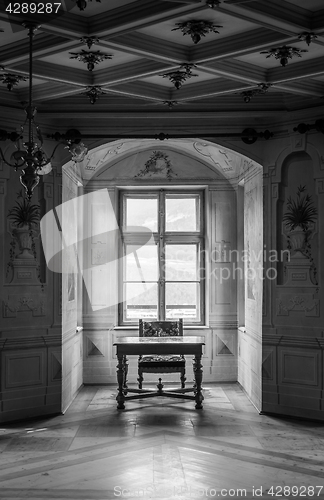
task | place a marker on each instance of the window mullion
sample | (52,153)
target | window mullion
(161,291)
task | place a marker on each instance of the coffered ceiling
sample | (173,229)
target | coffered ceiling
(140,37)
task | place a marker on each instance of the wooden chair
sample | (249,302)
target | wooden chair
(156,363)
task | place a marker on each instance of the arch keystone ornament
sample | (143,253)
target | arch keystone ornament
(158,165)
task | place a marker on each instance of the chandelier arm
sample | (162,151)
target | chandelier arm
(54,151)
(13,165)
(31,156)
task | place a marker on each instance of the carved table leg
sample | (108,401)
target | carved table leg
(198,379)
(140,377)
(160,386)
(125,363)
(183,378)
(120,379)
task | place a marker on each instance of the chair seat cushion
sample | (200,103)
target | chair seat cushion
(157,359)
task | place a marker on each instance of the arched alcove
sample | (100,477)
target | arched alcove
(230,354)
(292,353)
(297,172)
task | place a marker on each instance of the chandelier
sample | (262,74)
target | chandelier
(31,156)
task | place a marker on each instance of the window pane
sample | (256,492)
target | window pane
(181,263)
(141,300)
(142,212)
(182,300)
(181,214)
(141,263)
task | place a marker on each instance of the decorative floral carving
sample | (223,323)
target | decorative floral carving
(33,303)
(305,303)
(160,329)
(158,165)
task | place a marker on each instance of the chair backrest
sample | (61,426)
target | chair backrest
(160,328)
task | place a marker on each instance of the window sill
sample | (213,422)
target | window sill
(191,327)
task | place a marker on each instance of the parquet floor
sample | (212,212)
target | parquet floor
(162,449)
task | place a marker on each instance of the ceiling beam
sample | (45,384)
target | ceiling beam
(276,14)
(297,71)
(51,90)
(235,70)
(130,72)
(57,73)
(237,45)
(139,15)
(143,90)
(43,45)
(68,25)
(149,47)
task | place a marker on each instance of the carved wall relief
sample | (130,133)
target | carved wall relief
(32,303)
(288,304)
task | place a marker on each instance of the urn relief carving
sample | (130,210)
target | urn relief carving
(23,226)
(24,240)
(299,227)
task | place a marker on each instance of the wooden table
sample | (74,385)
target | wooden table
(127,346)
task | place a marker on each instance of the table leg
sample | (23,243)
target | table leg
(160,386)
(198,379)
(125,362)
(120,379)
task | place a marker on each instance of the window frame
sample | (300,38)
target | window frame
(162,238)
